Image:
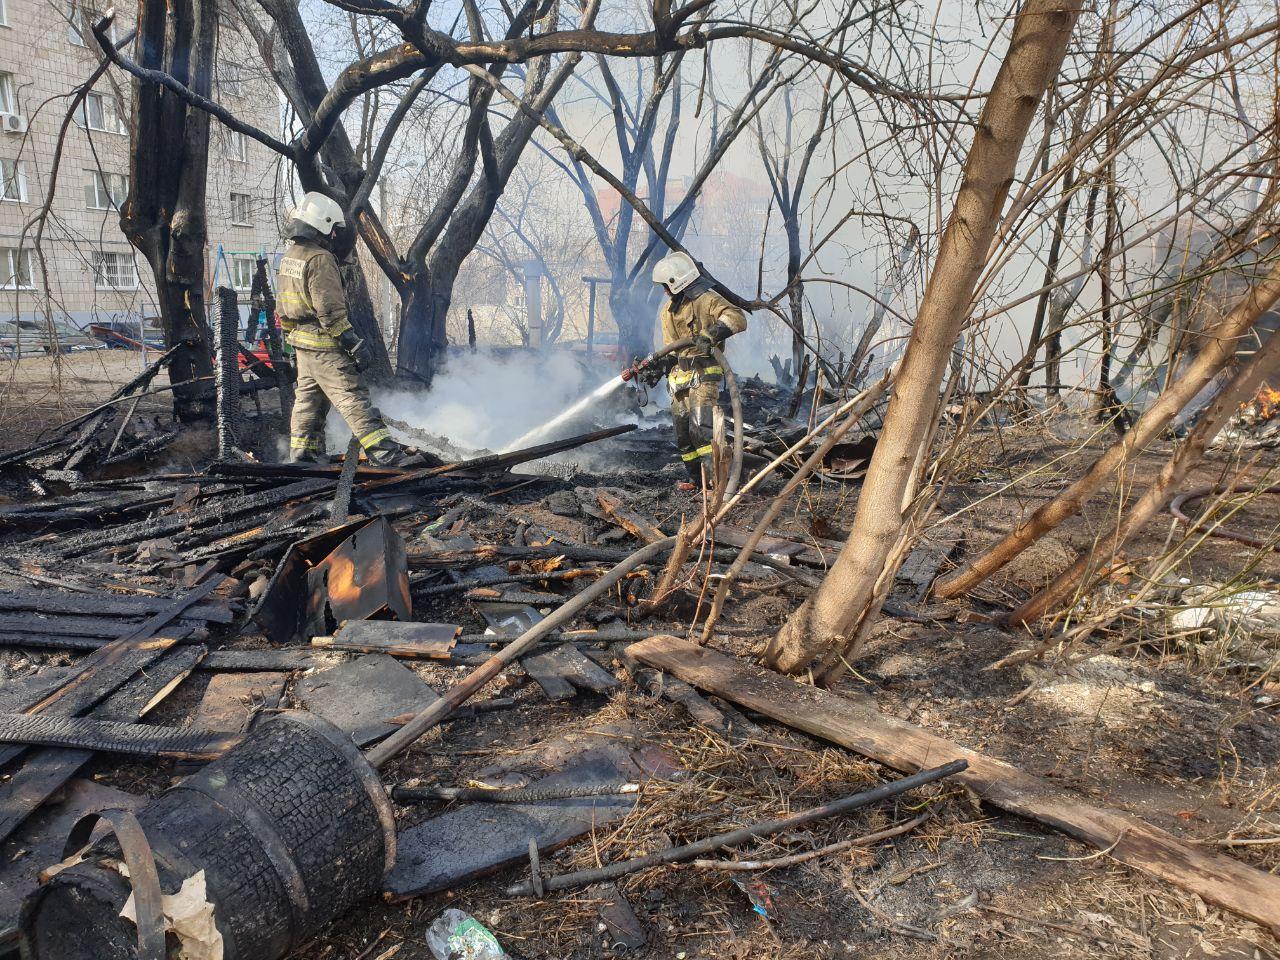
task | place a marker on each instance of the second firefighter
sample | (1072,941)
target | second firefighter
(694,376)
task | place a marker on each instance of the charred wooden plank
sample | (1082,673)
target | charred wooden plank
(113,736)
(59,625)
(432,641)
(566,665)
(921,567)
(857,725)
(454,556)
(93,683)
(642,528)
(299,471)
(49,641)
(16,692)
(107,668)
(446,851)
(546,674)
(107,605)
(218,512)
(275,659)
(47,770)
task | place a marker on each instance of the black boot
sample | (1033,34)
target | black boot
(387,453)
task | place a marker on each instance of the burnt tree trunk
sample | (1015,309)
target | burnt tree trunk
(830,626)
(164,215)
(424,308)
(795,288)
(634,311)
(426,286)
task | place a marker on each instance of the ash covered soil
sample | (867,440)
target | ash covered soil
(1172,729)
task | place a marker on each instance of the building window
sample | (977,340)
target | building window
(242,270)
(4,13)
(105,191)
(15,268)
(8,93)
(114,271)
(237,145)
(101,112)
(79,14)
(13,180)
(241,210)
(230,78)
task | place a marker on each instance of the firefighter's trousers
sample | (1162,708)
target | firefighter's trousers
(330,377)
(692,413)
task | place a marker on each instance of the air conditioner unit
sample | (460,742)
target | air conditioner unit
(13,123)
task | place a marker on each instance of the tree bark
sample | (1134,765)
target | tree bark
(1050,273)
(1260,368)
(164,214)
(833,621)
(1219,348)
(424,308)
(1061,303)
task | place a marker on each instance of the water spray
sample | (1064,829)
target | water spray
(596,395)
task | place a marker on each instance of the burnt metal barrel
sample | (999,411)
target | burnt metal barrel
(292,827)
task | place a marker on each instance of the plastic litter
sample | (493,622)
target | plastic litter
(456,935)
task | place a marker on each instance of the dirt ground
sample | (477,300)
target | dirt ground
(40,391)
(1172,728)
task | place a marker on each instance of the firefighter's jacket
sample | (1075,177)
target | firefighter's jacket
(309,298)
(689,315)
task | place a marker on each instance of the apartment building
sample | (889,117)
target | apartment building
(92,271)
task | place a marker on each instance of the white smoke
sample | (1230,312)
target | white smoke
(488,399)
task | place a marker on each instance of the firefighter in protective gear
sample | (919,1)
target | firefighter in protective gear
(312,308)
(694,376)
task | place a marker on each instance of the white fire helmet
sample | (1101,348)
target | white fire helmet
(319,211)
(675,271)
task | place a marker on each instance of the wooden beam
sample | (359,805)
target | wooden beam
(1217,879)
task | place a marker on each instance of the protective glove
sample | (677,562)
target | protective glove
(713,336)
(650,373)
(354,348)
